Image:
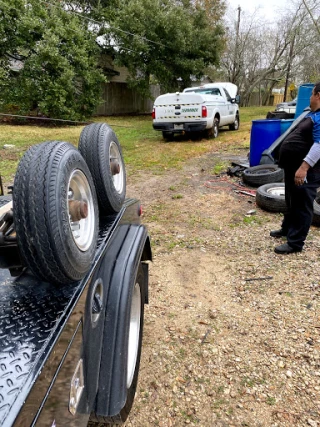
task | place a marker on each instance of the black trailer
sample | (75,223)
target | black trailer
(70,349)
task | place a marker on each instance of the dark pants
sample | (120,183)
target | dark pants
(299,199)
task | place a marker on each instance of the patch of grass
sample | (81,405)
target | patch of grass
(271,401)
(252,219)
(143,148)
(177,196)
(220,389)
(182,352)
(219,403)
(247,382)
(219,167)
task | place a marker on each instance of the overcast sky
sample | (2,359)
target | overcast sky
(268,8)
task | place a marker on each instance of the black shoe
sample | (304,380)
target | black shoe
(285,249)
(278,233)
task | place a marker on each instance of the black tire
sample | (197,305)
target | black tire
(168,136)
(215,128)
(132,379)
(214,131)
(236,124)
(101,150)
(279,115)
(51,179)
(270,197)
(262,174)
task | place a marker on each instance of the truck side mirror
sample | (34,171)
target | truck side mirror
(238,99)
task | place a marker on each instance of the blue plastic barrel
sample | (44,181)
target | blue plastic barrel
(263,134)
(303,99)
(285,124)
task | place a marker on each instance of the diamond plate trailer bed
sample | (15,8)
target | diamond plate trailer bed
(61,354)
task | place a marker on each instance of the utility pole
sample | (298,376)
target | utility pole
(288,69)
(236,54)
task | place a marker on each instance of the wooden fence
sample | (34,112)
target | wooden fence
(119,99)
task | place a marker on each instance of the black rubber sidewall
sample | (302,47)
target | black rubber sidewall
(262,174)
(45,239)
(215,128)
(233,125)
(270,202)
(94,145)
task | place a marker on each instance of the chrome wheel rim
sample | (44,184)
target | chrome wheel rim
(82,229)
(116,159)
(134,333)
(276,191)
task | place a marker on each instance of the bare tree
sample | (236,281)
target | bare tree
(260,55)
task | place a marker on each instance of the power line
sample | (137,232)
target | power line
(46,119)
(103,24)
(58,120)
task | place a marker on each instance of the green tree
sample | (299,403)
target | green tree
(58,56)
(164,39)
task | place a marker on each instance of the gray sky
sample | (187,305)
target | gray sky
(268,8)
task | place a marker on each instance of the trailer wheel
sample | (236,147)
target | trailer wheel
(270,197)
(262,174)
(133,336)
(55,212)
(101,150)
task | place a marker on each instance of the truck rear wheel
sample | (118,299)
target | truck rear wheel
(214,131)
(215,128)
(131,338)
(167,136)
(55,212)
(101,150)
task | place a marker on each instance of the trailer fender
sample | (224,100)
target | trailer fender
(115,396)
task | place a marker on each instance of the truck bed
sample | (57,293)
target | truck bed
(41,329)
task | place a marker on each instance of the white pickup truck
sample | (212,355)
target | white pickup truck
(200,109)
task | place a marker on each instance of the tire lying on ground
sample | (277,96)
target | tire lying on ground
(270,197)
(101,150)
(262,174)
(55,212)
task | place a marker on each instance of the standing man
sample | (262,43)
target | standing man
(299,156)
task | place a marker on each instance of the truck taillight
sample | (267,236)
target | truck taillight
(204,112)
(154,113)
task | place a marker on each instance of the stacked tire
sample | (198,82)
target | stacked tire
(256,176)
(57,196)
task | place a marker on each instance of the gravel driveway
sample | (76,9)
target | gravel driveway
(232,331)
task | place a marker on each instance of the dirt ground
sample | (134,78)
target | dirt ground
(232,331)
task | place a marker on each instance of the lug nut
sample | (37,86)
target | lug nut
(78,210)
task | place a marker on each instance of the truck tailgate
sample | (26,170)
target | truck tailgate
(184,106)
